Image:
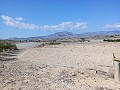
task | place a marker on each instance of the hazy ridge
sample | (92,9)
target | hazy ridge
(65,34)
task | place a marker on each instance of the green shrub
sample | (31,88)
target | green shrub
(7,45)
(112,40)
(54,43)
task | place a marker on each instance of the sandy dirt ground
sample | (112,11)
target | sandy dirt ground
(73,66)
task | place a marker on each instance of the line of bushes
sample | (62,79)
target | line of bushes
(54,43)
(112,40)
(7,45)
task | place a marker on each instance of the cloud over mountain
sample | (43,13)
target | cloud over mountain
(9,21)
(66,26)
(112,26)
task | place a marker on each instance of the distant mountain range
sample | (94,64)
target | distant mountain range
(65,34)
(99,33)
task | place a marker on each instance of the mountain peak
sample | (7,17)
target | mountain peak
(64,33)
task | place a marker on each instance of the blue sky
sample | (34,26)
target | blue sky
(27,18)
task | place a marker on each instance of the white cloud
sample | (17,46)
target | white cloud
(62,26)
(19,18)
(12,22)
(66,26)
(112,26)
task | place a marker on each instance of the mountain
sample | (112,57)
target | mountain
(60,35)
(99,33)
(65,34)
(29,38)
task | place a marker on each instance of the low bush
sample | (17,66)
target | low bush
(54,43)
(7,45)
(112,40)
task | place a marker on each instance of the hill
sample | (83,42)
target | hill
(65,34)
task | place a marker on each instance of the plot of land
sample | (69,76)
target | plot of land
(82,66)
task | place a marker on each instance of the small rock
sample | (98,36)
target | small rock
(81,72)
(93,78)
(96,71)
(72,73)
(2,66)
